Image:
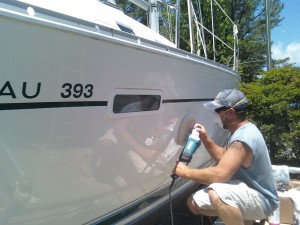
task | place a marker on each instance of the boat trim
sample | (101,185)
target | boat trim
(46,105)
(188,100)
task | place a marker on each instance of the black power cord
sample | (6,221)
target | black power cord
(174,177)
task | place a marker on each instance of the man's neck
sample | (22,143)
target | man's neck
(234,126)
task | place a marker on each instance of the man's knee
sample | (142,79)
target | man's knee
(192,205)
(214,198)
(196,210)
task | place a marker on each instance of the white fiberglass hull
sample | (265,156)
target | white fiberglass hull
(62,159)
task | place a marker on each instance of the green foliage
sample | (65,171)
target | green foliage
(274,105)
(167,20)
(133,11)
(250,18)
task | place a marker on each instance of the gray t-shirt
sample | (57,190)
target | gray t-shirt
(259,175)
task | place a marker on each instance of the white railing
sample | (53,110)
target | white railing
(152,7)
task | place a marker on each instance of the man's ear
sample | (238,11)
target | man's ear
(232,111)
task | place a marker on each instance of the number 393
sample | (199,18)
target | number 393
(77,90)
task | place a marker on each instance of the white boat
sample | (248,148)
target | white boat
(79,143)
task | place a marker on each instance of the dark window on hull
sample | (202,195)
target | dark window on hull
(136,103)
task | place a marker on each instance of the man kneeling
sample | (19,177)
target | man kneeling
(240,187)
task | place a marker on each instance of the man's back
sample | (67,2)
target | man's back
(259,174)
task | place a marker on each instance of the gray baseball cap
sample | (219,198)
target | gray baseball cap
(228,98)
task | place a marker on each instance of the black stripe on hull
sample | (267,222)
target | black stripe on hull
(187,100)
(48,105)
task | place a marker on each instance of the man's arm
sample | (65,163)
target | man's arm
(236,155)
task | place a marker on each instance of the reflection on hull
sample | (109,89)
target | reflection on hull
(65,156)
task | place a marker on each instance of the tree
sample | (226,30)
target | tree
(274,105)
(133,11)
(249,16)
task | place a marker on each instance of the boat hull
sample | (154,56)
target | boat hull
(64,156)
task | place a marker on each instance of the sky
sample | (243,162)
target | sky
(286,36)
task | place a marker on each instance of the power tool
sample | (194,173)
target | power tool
(186,156)
(188,151)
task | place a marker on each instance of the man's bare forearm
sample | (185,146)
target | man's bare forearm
(214,150)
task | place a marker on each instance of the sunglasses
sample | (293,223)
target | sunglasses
(226,108)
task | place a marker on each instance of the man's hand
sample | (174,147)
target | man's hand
(180,169)
(214,150)
(201,129)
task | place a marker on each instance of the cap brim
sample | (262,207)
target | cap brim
(212,105)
